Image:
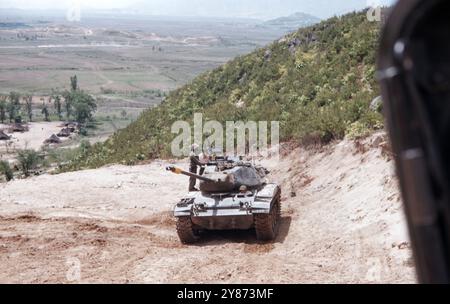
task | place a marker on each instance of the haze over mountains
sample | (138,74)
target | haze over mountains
(261,9)
(292,22)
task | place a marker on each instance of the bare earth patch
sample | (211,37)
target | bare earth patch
(32,139)
(345,225)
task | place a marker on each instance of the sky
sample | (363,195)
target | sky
(207,8)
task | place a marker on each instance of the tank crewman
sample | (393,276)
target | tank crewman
(196,160)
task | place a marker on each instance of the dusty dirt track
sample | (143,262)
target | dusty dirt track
(345,225)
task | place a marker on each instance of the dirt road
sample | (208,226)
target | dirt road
(345,224)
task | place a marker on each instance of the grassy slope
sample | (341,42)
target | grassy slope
(319,89)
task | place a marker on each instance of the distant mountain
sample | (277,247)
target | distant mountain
(293,22)
(259,9)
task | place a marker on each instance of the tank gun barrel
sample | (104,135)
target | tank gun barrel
(180,171)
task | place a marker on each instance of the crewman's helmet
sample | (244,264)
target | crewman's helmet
(195,149)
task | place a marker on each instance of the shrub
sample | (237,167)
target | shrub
(28,161)
(357,130)
(5,170)
(83,132)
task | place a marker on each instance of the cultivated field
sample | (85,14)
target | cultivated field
(128,63)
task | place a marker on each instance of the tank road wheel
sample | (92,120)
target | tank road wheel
(266,225)
(185,230)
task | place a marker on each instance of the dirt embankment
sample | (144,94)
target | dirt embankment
(344,224)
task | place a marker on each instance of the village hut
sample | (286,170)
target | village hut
(18,127)
(64,132)
(52,140)
(4,136)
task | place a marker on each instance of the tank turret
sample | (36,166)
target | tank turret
(229,178)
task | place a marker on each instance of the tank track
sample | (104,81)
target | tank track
(267,225)
(186,231)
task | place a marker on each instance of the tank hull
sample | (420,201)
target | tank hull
(224,222)
(231,211)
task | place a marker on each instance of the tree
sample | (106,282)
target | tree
(45,111)
(123,114)
(58,105)
(68,104)
(74,83)
(3,109)
(29,106)
(84,106)
(79,103)
(13,107)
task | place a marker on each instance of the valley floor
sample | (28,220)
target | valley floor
(32,139)
(344,225)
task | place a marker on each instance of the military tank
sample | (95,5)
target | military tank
(233,195)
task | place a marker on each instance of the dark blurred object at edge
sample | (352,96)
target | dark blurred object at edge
(414,72)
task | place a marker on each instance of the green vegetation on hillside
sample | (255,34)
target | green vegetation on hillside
(318,82)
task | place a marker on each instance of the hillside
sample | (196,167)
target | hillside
(292,22)
(318,82)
